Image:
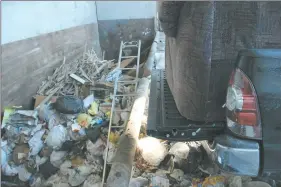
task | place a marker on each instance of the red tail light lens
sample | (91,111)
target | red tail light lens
(243,116)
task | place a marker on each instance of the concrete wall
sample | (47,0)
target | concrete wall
(33,18)
(35,37)
(127,21)
(126,10)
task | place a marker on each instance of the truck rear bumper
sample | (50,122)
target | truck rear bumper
(236,156)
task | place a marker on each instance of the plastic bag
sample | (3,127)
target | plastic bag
(79,175)
(69,105)
(94,109)
(9,170)
(36,143)
(36,129)
(4,159)
(5,167)
(56,137)
(46,113)
(24,175)
(84,120)
(97,148)
(57,158)
(88,100)
(113,75)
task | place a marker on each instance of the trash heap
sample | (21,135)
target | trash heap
(60,144)
(62,141)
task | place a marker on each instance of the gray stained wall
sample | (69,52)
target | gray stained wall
(37,35)
(127,21)
(35,38)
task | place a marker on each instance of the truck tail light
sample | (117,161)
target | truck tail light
(243,117)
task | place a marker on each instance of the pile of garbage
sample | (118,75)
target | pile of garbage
(60,144)
(62,141)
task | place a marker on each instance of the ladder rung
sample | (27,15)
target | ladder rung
(117,126)
(121,95)
(129,56)
(124,46)
(127,82)
(122,110)
(127,68)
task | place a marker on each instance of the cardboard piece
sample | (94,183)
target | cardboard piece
(40,98)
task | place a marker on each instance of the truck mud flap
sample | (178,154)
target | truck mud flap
(165,121)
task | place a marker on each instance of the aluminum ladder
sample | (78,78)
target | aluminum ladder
(123,45)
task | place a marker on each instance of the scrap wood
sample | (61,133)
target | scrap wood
(132,72)
(126,62)
(102,67)
(123,64)
(86,65)
(85,75)
(79,79)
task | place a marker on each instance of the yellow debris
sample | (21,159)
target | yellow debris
(94,109)
(107,114)
(84,120)
(114,137)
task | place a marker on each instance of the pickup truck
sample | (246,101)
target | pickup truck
(243,134)
(248,142)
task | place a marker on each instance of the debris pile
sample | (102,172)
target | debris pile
(48,147)
(62,141)
(70,76)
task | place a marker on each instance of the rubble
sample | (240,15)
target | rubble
(61,143)
(152,150)
(177,174)
(138,182)
(93,181)
(159,181)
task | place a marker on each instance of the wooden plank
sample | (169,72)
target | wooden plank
(77,78)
